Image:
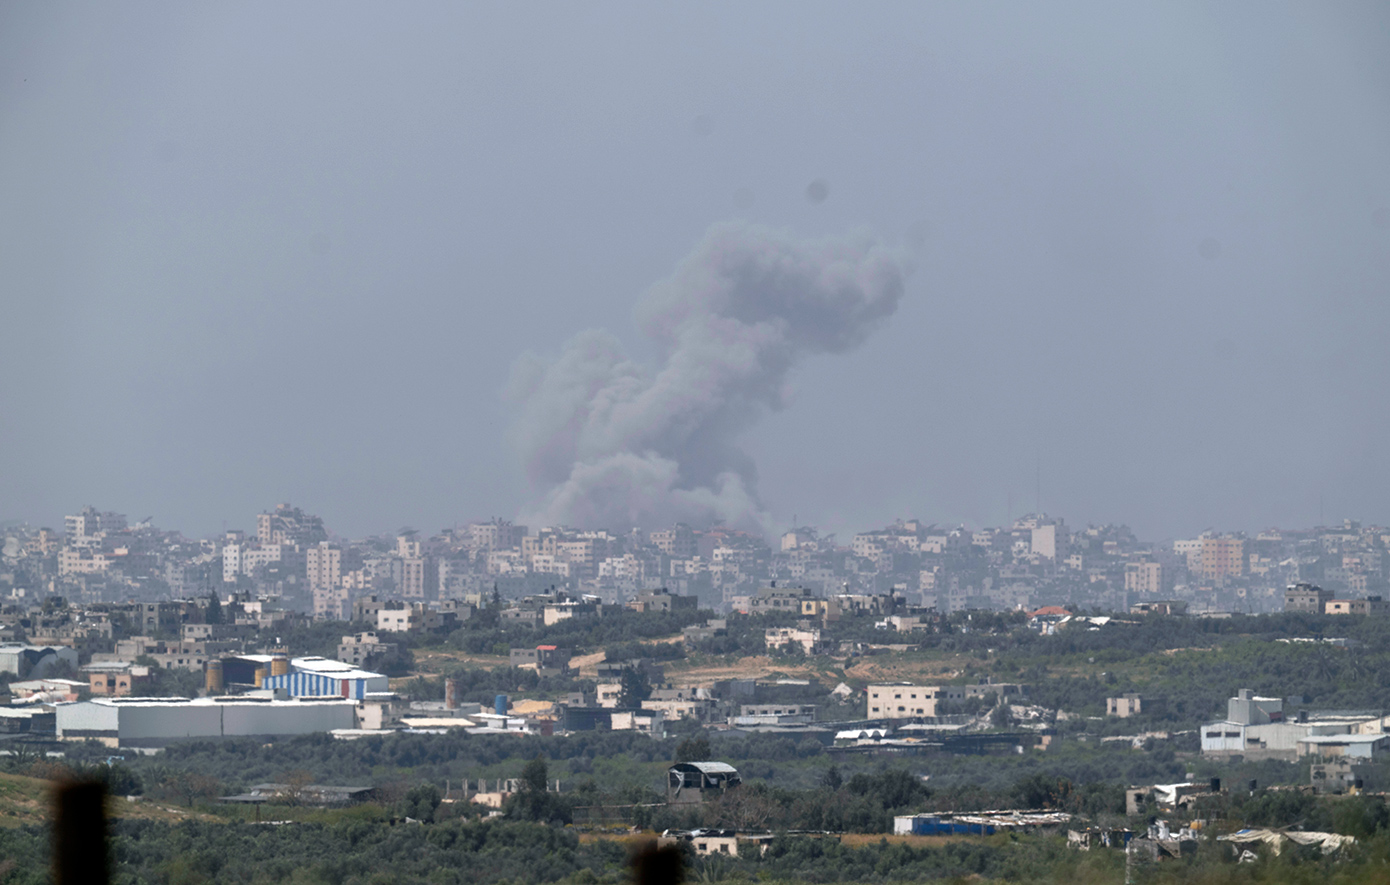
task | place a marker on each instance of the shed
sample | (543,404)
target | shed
(689,782)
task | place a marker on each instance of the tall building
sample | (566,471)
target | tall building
(678,542)
(1222,557)
(1144,578)
(324,566)
(1050,540)
(290,525)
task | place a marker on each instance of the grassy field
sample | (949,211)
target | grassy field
(28,800)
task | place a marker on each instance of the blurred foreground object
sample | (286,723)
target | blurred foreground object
(79,834)
(657,865)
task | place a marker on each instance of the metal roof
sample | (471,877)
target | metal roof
(707,767)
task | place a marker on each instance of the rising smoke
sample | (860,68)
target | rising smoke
(608,442)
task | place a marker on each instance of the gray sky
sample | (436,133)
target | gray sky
(258,253)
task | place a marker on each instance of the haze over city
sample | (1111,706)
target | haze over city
(1128,265)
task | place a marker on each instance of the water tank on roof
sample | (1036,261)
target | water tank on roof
(214,677)
(500,705)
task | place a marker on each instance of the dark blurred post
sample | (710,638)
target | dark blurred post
(657,865)
(79,834)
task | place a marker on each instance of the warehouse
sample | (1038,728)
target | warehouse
(154,722)
(322,678)
(36,661)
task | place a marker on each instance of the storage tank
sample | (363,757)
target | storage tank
(279,663)
(499,705)
(214,677)
(451,694)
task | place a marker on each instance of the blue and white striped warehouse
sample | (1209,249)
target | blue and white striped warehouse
(320,678)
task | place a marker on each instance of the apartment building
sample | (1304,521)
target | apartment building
(907,701)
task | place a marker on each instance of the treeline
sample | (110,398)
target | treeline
(361,852)
(486,633)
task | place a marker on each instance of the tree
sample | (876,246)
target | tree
(214,612)
(534,776)
(636,688)
(190,786)
(695,749)
(421,802)
(832,779)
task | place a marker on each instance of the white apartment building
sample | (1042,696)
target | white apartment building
(324,564)
(1050,541)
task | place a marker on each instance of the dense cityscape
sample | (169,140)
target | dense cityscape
(292,563)
(1098,689)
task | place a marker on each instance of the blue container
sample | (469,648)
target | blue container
(499,705)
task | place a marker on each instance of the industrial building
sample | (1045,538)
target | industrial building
(36,661)
(322,678)
(154,722)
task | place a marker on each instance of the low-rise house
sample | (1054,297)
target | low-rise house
(546,660)
(678,703)
(356,649)
(712,628)
(1372,605)
(116,678)
(809,640)
(1132,704)
(649,722)
(774,714)
(774,599)
(704,842)
(662,600)
(1159,607)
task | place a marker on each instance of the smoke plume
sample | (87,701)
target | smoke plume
(609,442)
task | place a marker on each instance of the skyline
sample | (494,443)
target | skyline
(258,254)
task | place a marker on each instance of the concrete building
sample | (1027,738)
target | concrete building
(1373,605)
(779,599)
(1144,578)
(774,714)
(1222,557)
(357,648)
(1304,597)
(1160,607)
(324,566)
(906,701)
(1050,541)
(679,542)
(116,679)
(1249,709)
(1132,704)
(155,722)
(546,660)
(498,534)
(809,640)
(662,600)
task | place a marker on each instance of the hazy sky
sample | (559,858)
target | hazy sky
(291,252)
